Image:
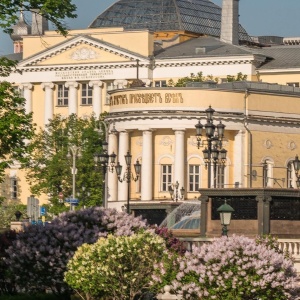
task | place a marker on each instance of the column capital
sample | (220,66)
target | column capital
(120,83)
(47,85)
(26,85)
(179,130)
(98,83)
(71,84)
(147,131)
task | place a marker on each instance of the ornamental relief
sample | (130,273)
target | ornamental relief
(84,54)
(166,141)
(268,144)
(291,145)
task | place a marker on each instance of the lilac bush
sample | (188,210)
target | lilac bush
(237,268)
(39,255)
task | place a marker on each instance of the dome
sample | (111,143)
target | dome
(196,16)
(20,29)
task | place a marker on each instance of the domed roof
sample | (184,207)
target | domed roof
(197,16)
(20,29)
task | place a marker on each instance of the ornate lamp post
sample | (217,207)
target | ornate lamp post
(74,152)
(296,164)
(128,175)
(103,159)
(213,153)
(225,211)
(173,190)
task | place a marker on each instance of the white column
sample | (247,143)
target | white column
(73,105)
(123,148)
(27,88)
(179,158)
(48,110)
(239,158)
(112,179)
(147,166)
(97,96)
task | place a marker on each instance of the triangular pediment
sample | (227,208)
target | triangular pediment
(82,50)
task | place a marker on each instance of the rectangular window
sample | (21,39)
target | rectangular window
(220,176)
(194,178)
(160,83)
(62,95)
(14,188)
(166,172)
(86,94)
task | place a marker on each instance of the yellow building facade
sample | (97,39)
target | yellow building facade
(93,71)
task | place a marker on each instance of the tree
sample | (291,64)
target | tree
(49,164)
(38,257)
(16,127)
(53,10)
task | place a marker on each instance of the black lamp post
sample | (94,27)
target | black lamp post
(213,153)
(173,190)
(128,175)
(296,164)
(225,211)
(103,159)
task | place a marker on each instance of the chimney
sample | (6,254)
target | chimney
(230,22)
(39,23)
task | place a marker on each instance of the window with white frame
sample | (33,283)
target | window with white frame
(13,188)
(220,176)
(194,178)
(289,174)
(160,83)
(166,176)
(86,94)
(62,95)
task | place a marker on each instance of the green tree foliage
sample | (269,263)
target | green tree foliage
(50,161)
(200,78)
(16,127)
(239,77)
(53,10)
(7,212)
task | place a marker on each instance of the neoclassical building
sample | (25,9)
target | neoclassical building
(97,69)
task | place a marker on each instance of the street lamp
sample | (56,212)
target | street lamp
(213,153)
(225,211)
(296,164)
(74,152)
(103,159)
(173,190)
(128,175)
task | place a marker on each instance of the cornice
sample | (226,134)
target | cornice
(118,65)
(203,63)
(191,115)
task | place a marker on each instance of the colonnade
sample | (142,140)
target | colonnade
(119,143)
(49,97)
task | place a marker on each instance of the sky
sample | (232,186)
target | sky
(258,17)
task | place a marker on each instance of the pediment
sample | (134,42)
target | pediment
(81,50)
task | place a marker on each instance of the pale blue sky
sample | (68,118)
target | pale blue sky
(259,17)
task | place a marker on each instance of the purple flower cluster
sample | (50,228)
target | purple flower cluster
(39,255)
(235,268)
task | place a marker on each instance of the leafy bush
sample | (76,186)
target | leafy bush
(39,255)
(116,267)
(233,268)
